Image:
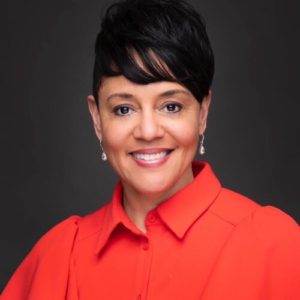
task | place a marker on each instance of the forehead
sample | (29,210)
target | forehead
(121,85)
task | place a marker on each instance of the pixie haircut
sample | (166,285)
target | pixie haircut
(154,40)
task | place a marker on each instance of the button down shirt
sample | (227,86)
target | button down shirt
(204,242)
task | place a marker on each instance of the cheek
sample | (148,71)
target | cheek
(115,135)
(185,133)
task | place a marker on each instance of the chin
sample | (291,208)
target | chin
(154,187)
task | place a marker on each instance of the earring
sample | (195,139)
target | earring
(201,147)
(103,154)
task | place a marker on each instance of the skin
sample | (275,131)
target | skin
(133,120)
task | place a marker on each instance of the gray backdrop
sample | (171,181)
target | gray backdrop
(50,160)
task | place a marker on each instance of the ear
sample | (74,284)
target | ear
(94,111)
(204,109)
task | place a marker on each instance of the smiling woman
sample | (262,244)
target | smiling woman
(157,128)
(171,231)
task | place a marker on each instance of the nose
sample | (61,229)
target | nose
(148,127)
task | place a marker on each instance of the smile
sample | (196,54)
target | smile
(151,157)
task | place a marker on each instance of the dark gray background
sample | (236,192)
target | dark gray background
(50,160)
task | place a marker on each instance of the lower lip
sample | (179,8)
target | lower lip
(151,163)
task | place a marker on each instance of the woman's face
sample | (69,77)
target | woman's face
(149,132)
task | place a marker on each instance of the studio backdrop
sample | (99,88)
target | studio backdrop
(50,158)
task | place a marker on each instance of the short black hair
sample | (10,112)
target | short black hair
(169,38)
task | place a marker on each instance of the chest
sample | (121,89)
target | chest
(154,266)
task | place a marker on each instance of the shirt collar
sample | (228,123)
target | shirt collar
(178,212)
(114,216)
(186,206)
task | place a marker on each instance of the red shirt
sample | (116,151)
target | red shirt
(205,242)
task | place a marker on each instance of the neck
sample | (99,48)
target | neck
(137,205)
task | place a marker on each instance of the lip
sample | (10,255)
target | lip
(156,161)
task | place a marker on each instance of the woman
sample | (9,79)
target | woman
(171,230)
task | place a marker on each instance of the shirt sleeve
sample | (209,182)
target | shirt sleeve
(281,239)
(44,273)
(260,260)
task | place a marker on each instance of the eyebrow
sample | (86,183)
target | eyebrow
(174,92)
(167,93)
(119,95)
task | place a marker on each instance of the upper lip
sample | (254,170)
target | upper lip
(151,150)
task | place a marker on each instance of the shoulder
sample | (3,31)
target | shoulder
(64,226)
(272,224)
(234,208)
(262,222)
(62,231)
(92,223)
(261,248)
(74,227)
(49,257)
(46,267)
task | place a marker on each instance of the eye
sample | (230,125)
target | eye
(172,107)
(122,110)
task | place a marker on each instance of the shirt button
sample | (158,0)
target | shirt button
(145,246)
(151,218)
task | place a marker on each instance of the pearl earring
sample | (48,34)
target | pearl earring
(201,147)
(103,154)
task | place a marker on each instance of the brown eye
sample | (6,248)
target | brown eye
(172,107)
(122,110)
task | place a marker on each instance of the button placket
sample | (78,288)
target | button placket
(145,245)
(145,266)
(151,218)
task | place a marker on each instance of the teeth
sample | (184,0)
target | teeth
(149,157)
